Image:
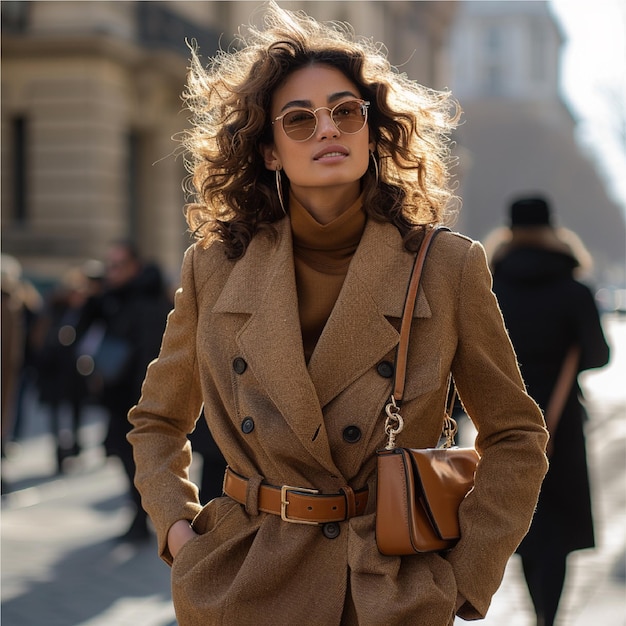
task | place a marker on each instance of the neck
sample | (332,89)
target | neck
(326,205)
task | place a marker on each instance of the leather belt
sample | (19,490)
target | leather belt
(297,504)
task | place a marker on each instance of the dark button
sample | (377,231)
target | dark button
(247,426)
(239,365)
(331,530)
(385,369)
(351,434)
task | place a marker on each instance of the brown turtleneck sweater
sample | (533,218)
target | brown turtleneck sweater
(322,254)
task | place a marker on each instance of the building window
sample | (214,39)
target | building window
(14,16)
(493,61)
(161,27)
(20,154)
(134,194)
(538,51)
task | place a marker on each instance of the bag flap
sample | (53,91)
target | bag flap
(446,476)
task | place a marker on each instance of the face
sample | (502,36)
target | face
(330,161)
(121,267)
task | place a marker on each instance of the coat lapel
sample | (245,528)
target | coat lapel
(358,333)
(262,284)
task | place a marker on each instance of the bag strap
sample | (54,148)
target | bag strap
(407,314)
(561,391)
(394,422)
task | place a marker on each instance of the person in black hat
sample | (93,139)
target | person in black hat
(548,311)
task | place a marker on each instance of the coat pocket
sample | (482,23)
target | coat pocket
(212,514)
(209,519)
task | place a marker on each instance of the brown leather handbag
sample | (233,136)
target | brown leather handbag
(419,490)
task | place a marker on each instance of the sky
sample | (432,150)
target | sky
(594,81)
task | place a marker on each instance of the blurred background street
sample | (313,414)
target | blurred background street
(91,111)
(63,565)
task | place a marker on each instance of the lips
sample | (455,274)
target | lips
(329,152)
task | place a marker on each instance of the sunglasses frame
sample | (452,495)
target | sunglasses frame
(365,104)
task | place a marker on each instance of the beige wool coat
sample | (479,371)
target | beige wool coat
(233,346)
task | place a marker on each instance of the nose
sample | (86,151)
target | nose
(325,125)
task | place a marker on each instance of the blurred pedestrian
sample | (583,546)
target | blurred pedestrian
(13,338)
(554,324)
(24,304)
(121,333)
(21,303)
(61,387)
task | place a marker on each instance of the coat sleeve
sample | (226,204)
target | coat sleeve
(511,440)
(165,414)
(593,344)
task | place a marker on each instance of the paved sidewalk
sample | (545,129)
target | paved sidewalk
(62,564)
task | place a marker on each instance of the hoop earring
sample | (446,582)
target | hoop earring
(279,188)
(375,165)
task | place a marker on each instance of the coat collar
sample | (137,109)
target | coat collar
(357,334)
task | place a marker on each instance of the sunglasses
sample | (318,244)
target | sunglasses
(348,117)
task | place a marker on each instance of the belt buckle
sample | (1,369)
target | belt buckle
(284,502)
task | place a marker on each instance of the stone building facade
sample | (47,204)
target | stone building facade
(91,108)
(519,136)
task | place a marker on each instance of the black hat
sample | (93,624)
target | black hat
(533,211)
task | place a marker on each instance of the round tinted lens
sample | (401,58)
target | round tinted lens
(349,116)
(299,124)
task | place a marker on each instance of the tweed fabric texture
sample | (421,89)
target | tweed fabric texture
(248,568)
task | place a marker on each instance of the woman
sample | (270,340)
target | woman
(316,169)
(548,312)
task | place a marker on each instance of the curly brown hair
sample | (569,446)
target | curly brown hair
(235,194)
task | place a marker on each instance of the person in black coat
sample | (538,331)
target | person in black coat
(547,312)
(126,323)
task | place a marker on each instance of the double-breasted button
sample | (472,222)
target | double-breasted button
(351,434)
(239,365)
(247,426)
(385,369)
(331,530)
